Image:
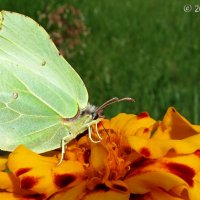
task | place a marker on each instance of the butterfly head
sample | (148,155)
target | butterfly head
(91,115)
(96,112)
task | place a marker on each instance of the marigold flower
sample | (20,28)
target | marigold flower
(139,158)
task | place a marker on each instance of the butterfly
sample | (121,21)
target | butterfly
(43,101)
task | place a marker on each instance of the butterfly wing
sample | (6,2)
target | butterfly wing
(38,88)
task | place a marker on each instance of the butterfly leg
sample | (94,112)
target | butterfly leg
(90,136)
(64,141)
(99,136)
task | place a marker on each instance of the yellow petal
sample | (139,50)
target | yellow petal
(174,171)
(42,175)
(193,193)
(155,148)
(10,183)
(129,124)
(10,196)
(3,162)
(188,192)
(98,156)
(194,140)
(142,183)
(7,181)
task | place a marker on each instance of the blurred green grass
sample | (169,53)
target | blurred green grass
(148,50)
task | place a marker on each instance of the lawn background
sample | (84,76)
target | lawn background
(148,50)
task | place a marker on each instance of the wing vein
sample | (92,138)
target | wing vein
(31,92)
(35,132)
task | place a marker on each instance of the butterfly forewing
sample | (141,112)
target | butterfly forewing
(26,44)
(38,88)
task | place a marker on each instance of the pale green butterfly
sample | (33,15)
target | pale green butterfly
(43,101)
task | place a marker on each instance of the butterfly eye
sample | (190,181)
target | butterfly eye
(95,115)
(83,113)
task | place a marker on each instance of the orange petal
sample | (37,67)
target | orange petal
(106,195)
(162,195)
(192,193)
(117,185)
(175,126)
(71,194)
(80,192)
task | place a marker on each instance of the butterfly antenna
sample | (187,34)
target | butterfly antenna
(100,109)
(105,130)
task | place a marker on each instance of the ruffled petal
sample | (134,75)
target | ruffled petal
(163,195)
(174,171)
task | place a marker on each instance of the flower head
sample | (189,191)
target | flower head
(138,158)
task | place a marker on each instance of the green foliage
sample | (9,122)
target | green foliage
(148,50)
